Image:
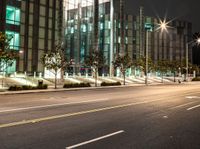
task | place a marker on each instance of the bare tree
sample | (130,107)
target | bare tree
(162,67)
(95,60)
(7,56)
(123,62)
(55,61)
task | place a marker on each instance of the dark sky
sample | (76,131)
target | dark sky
(180,9)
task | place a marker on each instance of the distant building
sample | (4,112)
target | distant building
(170,44)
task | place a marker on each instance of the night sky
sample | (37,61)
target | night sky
(181,9)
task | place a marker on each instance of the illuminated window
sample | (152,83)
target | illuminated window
(84,29)
(72,30)
(12,15)
(15,40)
(101,26)
(109,25)
(8,69)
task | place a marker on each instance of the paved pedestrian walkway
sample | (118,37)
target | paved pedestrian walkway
(60,89)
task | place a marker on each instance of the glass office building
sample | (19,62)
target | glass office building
(79,37)
(10,16)
(79,16)
(37,25)
(33,25)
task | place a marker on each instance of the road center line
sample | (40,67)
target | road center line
(194,107)
(74,114)
(53,105)
(96,139)
(31,121)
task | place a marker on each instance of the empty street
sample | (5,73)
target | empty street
(143,117)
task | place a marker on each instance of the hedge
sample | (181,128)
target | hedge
(26,87)
(196,79)
(76,85)
(110,84)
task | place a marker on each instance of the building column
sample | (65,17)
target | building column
(111,37)
(2,15)
(26,35)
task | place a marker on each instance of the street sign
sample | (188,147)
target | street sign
(148,26)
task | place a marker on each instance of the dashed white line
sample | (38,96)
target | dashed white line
(94,140)
(192,97)
(183,105)
(194,107)
(52,105)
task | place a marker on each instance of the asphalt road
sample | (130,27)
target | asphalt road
(152,117)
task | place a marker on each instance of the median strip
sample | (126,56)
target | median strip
(96,139)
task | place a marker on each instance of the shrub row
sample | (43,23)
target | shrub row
(196,79)
(76,85)
(26,87)
(110,84)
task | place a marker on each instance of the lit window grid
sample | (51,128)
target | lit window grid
(12,15)
(15,40)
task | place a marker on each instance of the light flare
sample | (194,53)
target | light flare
(198,41)
(163,25)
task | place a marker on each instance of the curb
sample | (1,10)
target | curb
(77,89)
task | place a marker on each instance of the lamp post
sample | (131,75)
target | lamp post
(147,57)
(162,26)
(197,41)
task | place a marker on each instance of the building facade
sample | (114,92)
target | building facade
(79,31)
(37,25)
(33,24)
(168,44)
(10,24)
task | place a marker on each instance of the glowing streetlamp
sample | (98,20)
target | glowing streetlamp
(198,41)
(163,25)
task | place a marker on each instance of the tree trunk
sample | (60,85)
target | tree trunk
(56,79)
(162,78)
(2,82)
(174,77)
(124,75)
(96,77)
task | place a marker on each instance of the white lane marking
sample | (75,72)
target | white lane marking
(183,105)
(192,97)
(194,107)
(94,140)
(53,105)
(74,114)
(165,117)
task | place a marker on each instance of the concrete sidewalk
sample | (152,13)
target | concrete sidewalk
(60,89)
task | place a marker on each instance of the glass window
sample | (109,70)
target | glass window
(12,68)
(14,42)
(8,69)
(12,15)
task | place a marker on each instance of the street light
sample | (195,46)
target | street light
(161,26)
(197,41)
